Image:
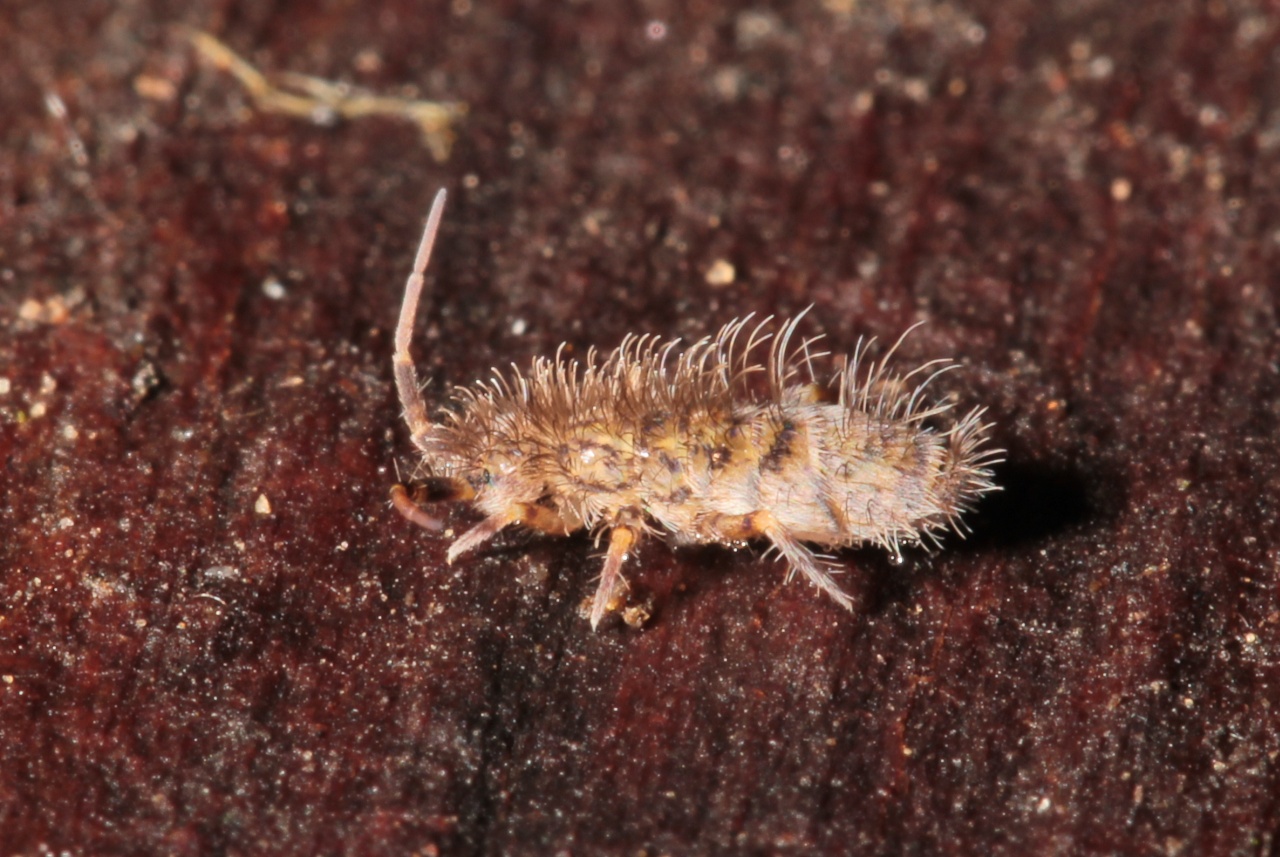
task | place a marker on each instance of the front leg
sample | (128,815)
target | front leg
(435,490)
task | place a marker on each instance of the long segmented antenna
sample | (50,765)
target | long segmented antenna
(415,409)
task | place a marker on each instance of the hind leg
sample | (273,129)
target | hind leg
(762,524)
(803,560)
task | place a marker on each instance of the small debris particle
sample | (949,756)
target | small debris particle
(754,28)
(53,311)
(222,572)
(368,61)
(638,615)
(721,273)
(38,410)
(1121,189)
(145,381)
(5,386)
(262,505)
(916,89)
(273,288)
(154,88)
(322,101)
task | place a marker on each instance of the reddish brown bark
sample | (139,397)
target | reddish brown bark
(216,636)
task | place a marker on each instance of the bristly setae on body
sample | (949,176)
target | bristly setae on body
(692,446)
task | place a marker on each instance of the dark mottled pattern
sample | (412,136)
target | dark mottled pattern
(1081,198)
(782,446)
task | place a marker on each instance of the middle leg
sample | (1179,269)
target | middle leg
(622,538)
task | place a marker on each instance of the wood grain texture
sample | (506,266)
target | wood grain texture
(216,637)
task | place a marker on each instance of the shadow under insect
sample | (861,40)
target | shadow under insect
(1036,503)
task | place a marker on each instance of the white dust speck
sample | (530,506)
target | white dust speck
(273,288)
(721,273)
(222,572)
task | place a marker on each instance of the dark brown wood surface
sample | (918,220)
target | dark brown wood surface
(217,638)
